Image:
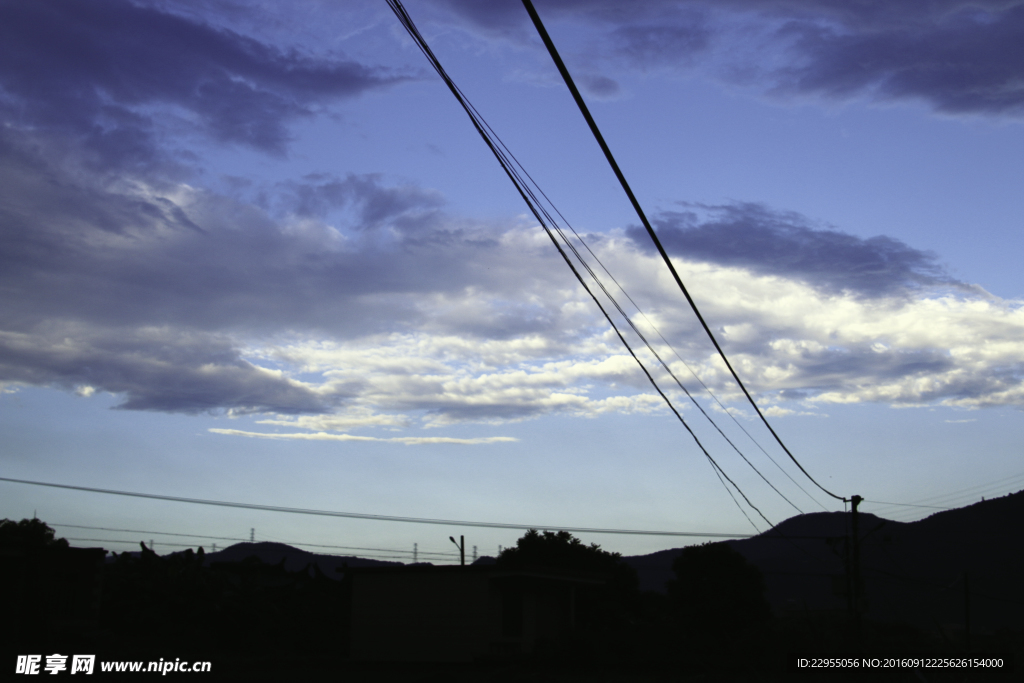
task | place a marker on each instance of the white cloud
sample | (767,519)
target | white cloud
(777,411)
(323,436)
(796,345)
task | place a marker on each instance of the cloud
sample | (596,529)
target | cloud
(97,70)
(407,440)
(407,208)
(159,292)
(753,237)
(368,307)
(155,369)
(137,253)
(507,17)
(966,59)
(445,380)
(776,411)
(958,57)
(600,87)
(342,303)
(678,43)
(327,304)
(351,417)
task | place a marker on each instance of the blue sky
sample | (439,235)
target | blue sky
(257,253)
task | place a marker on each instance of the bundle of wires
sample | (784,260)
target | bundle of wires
(547,215)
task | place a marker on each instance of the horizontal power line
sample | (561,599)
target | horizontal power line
(908,505)
(1007,483)
(246,540)
(371,556)
(379,518)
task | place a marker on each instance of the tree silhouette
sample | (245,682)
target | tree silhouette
(718,597)
(607,608)
(29,533)
(558,550)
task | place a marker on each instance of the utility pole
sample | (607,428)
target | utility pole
(415,552)
(967,609)
(252,535)
(856,585)
(461,545)
(474,553)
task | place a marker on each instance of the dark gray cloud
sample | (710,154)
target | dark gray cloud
(376,204)
(677,43)
(959,57)
(74,250)
(967,61)
(153,369)
(862,15)
(831,369)
(600,87)
(501,16)
(509,17)
(95,69)
(651,32)
(785,243)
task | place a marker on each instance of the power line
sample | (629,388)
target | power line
(639,334)
(502,154)
(186,545)
(909,505)
(242,540)
(951,499)
(975,490)
(506,151)
(142,531)
(378,518)
(650,231)
(657,356)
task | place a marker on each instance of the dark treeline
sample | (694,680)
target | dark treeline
(260,620)
(143,606)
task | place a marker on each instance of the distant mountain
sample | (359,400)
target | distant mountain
(294,558)
(912,571)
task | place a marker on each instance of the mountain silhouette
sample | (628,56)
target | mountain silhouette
(912,572)
(294,559)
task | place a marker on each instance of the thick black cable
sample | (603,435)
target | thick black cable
(650,231)
(378,518)
(529,199)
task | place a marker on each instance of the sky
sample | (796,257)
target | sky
(256,252)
